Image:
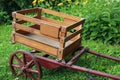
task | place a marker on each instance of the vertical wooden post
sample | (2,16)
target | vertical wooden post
(13,24)
(39,10)
(14,20)
(63,33)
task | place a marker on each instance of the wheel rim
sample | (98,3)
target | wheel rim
(25,64)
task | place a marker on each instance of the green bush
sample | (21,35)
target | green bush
(8,6)
(102,19)
(3,17)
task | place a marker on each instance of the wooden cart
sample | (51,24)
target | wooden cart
(58,38)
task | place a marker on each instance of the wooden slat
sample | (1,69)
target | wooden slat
(23,21)
(75,24)
(60,14)
(36,45)
(27,11)
(69,21)
(32,30)
(28,29)
(43,40)
(71,48)
(55,21)
(34,20)
(49,30)
(73,35)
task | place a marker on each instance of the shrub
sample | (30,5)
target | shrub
(102,19)
(103,22)
(3,17)
(8,6)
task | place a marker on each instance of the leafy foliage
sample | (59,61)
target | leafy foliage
(102,19)
(103,22)
(8,6)
(102,16)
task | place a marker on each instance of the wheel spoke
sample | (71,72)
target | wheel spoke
(24,59)
(29,63)
(32,71)
(19,61)
(31,76)
(20,73)
(15,65)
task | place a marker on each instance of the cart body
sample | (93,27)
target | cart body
(45,34)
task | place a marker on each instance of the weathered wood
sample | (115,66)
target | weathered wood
(48,35)
(35,44)
(73,35)
(34,20)
(60,14)
(78,23)
(55,21)
(71,48)
(63,33)
(49,30)
(43,40)
(27,11)
(33,31)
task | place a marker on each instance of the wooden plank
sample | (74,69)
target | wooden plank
(60,14)
(69,21)
(43,40)
(73,35)
(49,30)
(26,11)
(28,29)
(71,48)
(23,21)
(36,45)
(32,30)
(54,21)
(78,23)
(62,43)
(34,20)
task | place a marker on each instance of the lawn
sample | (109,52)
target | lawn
(6,49)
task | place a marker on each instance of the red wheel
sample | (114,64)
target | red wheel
(25,64)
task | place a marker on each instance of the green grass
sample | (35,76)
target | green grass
(88,61)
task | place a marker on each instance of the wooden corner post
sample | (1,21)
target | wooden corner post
(62,36)
(14,27)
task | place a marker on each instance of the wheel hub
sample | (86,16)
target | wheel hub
(23,69)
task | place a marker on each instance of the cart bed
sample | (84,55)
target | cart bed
(46,34)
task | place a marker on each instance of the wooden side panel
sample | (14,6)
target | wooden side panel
(71,48)
(36,45)
(76,24)
(54,21)
(73,35)
(60,14)
(67,21)
(28,11)
(49,30)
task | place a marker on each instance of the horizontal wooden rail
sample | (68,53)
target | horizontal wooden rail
(60,14)
(27,29)
(27,11)
(54,21)
(23,21)
(75,24)
(34,20)
(73,35)
(71,47)
(31,30)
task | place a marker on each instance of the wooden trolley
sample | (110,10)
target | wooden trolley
(58,38)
